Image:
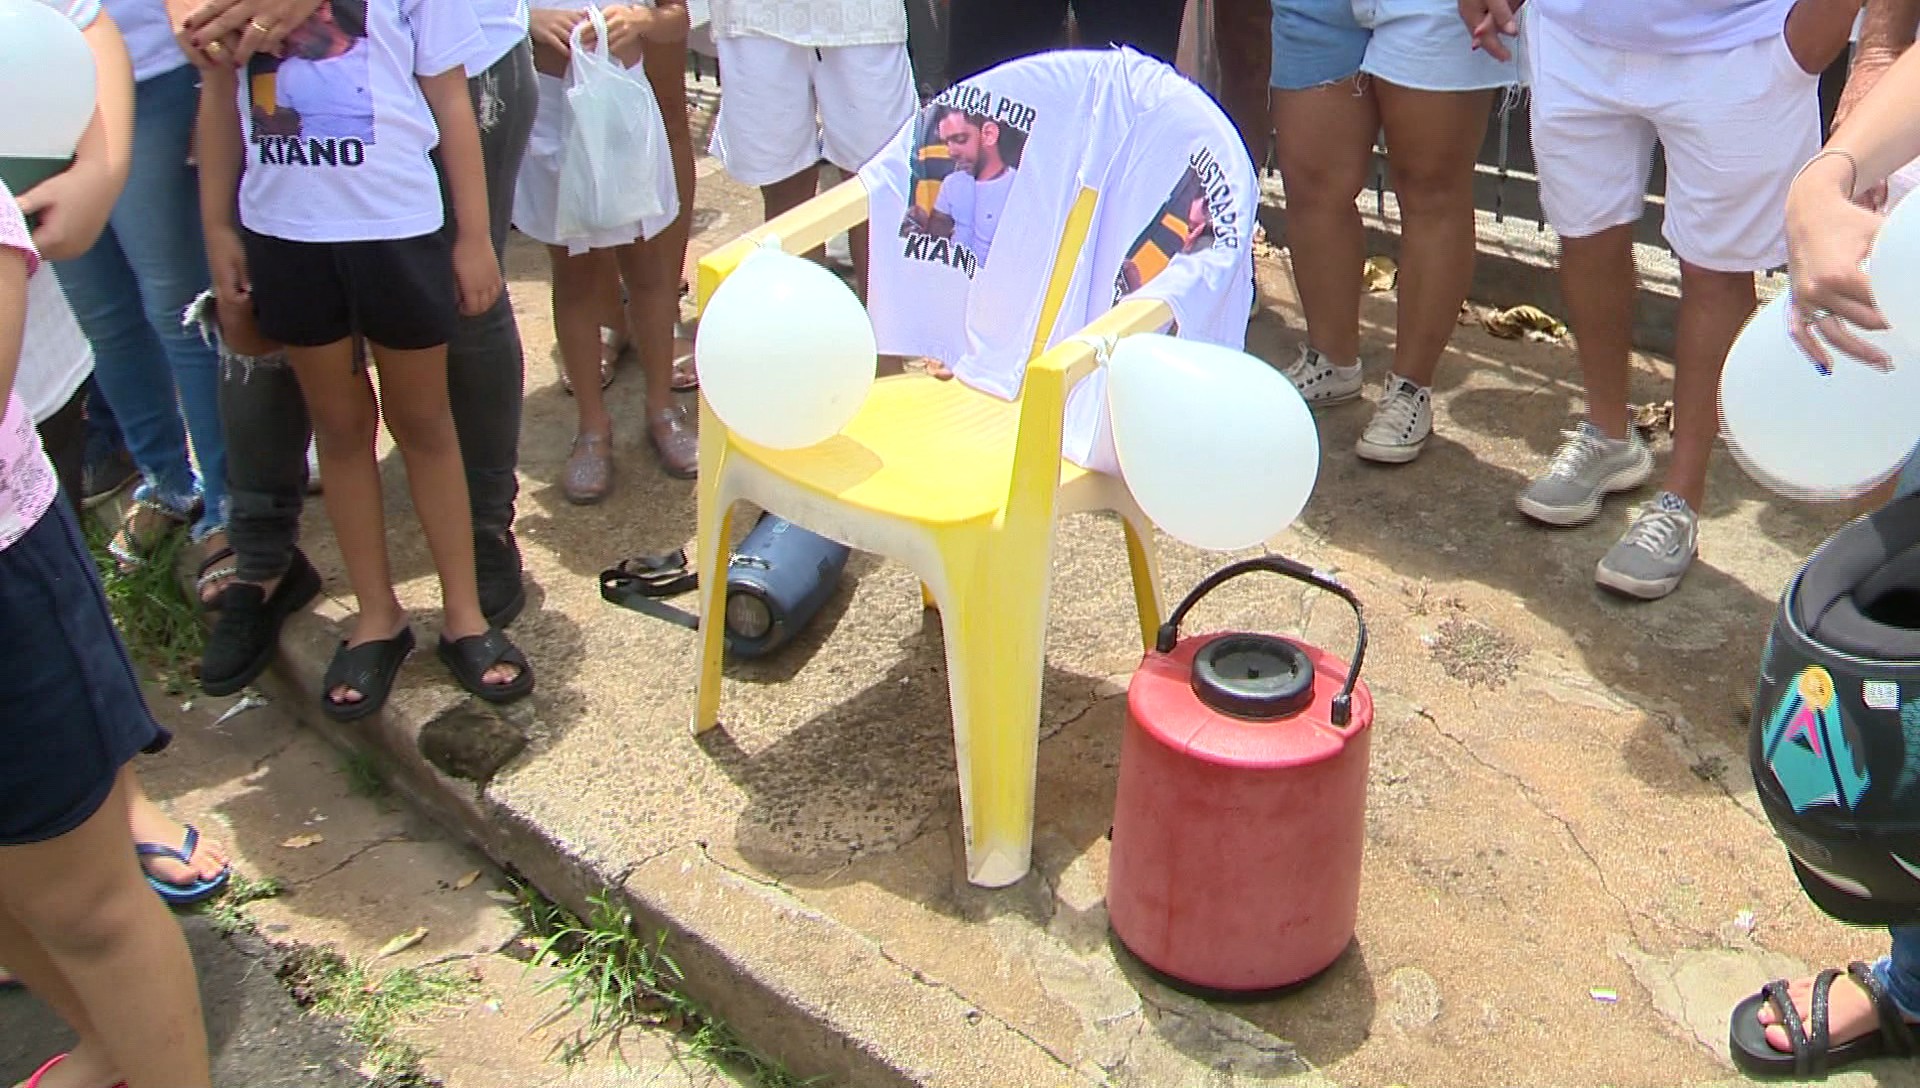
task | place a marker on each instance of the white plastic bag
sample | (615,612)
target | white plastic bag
(615,141)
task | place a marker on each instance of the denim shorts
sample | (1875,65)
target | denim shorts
(1418,44)
(74,714)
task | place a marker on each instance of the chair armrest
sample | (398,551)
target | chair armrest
(1043,395)
(805,228)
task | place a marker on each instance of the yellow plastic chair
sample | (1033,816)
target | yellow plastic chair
(961,487)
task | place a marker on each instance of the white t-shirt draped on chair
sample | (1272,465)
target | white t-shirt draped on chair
(1135,131)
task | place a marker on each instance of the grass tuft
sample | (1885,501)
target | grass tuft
(374,1006)
(621,979)
(159,621)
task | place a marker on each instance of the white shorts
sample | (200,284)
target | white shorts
(784,107)
(1735,124)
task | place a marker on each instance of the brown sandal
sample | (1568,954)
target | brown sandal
(146,526)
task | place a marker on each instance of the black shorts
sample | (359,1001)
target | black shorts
(398,294)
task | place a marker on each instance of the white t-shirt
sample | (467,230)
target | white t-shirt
(1669,26)
(337,141)
(1176,216)
(149,36)
(1134,131)
(975,207)
(813,22)
(503,25)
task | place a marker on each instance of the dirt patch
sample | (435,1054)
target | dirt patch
(1475,653)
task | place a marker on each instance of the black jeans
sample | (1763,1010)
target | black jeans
(266,418)
(983,33)
(64,436)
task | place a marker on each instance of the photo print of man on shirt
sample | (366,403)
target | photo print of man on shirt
(320,86)
(1184,225)
(964,166)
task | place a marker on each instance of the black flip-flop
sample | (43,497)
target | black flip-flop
(370,669)
(468,659)
(1812,1054)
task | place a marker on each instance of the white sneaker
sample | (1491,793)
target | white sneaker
(1320,381)
(1401,425)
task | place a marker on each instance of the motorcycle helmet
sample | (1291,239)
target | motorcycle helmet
(1835,740)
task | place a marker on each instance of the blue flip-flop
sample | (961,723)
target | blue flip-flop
(182,895)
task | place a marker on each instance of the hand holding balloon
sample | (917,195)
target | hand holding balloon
(1218,447)
(785,352)
(1812,435)
(1829,237)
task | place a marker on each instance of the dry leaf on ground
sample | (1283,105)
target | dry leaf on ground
(1530,322)
(402,943)
(301,842)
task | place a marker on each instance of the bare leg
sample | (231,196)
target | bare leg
(1326,144)
(344,420)
(784,196)
(1433,138)
(79,904)
(1598,279)
(413,400)
(580,287)
(1713,307)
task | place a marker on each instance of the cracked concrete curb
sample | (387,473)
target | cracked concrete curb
(785,998)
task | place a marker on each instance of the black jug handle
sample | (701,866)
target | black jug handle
(1169,633)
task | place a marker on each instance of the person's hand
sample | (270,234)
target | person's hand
(628,28)
(1488,20)
(1828,239)
(72,207)
(551,28)
(232,31)
(477,271)
(227,262)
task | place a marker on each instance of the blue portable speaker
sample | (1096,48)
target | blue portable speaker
(777,581)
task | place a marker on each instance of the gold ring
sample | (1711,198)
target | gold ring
(214,49)
(263,28)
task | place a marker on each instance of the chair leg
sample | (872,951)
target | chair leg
(714,524)
(995,630)
(1144,559)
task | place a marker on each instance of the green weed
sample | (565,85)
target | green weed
(374,1006)
(621,979)
(159,621)
(227,913)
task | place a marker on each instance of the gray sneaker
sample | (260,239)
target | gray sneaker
(1587,468)
(1320,381)
(1401,425)
(1655,552)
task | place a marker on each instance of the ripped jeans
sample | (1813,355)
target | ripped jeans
(266,418)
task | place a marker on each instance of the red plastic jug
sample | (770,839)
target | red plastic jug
(1241,812)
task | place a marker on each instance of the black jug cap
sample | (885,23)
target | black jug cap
(1257,677)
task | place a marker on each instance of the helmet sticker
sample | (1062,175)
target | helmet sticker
(1810,746)
(1880,694)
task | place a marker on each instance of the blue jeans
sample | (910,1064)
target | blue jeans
(129,292)
(1899,969)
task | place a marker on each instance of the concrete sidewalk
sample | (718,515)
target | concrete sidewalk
(1560,805)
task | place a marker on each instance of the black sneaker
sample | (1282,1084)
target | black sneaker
(247,631)
(106,477)
(497,569)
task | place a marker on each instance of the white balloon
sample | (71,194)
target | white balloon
(1893,268)
(46,82)
(785,352)
(1813,436)
(1218,447)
